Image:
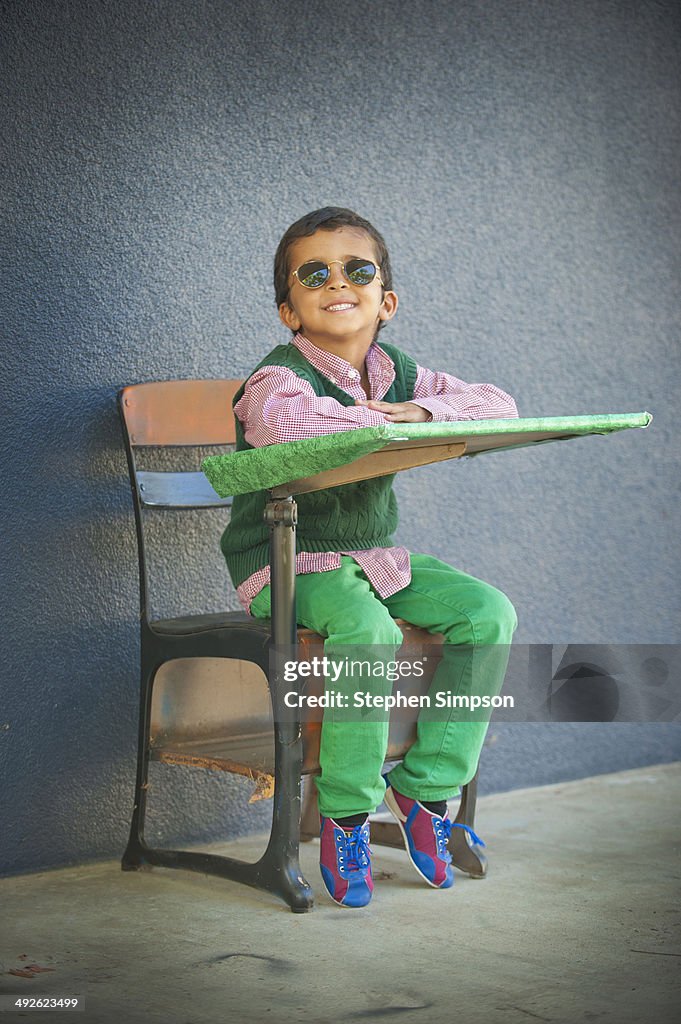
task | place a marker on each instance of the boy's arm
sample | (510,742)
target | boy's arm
(278,406)
(446,398)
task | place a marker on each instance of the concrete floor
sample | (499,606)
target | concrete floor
(578,920)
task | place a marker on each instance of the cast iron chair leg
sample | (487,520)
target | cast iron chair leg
(280,861)
(278,870)
(468,859)
(280,866)
(135,856)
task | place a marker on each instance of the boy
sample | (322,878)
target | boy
(333,287)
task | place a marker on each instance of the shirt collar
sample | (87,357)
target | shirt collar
(378,363)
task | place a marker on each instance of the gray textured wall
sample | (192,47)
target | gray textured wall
(523,163)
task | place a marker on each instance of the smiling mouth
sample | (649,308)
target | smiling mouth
(339,307)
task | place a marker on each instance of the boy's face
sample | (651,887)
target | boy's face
(339,314)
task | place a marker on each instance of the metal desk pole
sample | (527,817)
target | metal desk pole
(280,861)
(281,515)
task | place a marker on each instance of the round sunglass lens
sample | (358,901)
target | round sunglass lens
(360,271)
(313,274)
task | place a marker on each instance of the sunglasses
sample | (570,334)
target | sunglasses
(315,273)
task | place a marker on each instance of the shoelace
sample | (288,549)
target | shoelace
(357,849)
(447,826)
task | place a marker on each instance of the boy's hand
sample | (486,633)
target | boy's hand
(398,412)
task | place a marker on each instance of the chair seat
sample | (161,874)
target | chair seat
(184,625)
(222,718)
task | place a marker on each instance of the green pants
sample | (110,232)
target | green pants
(477,621)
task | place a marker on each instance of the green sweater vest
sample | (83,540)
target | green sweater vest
(352,517)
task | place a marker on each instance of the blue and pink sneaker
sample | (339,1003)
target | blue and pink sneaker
(425,837)
(345,863)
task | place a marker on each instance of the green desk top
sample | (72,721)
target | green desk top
(264,468)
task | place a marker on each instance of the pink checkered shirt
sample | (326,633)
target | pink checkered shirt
(278,406)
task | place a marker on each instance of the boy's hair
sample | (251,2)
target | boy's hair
(328,218)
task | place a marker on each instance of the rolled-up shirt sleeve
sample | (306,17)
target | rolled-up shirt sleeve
(447,398)
(279,406)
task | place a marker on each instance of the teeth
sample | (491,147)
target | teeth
(341,305)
